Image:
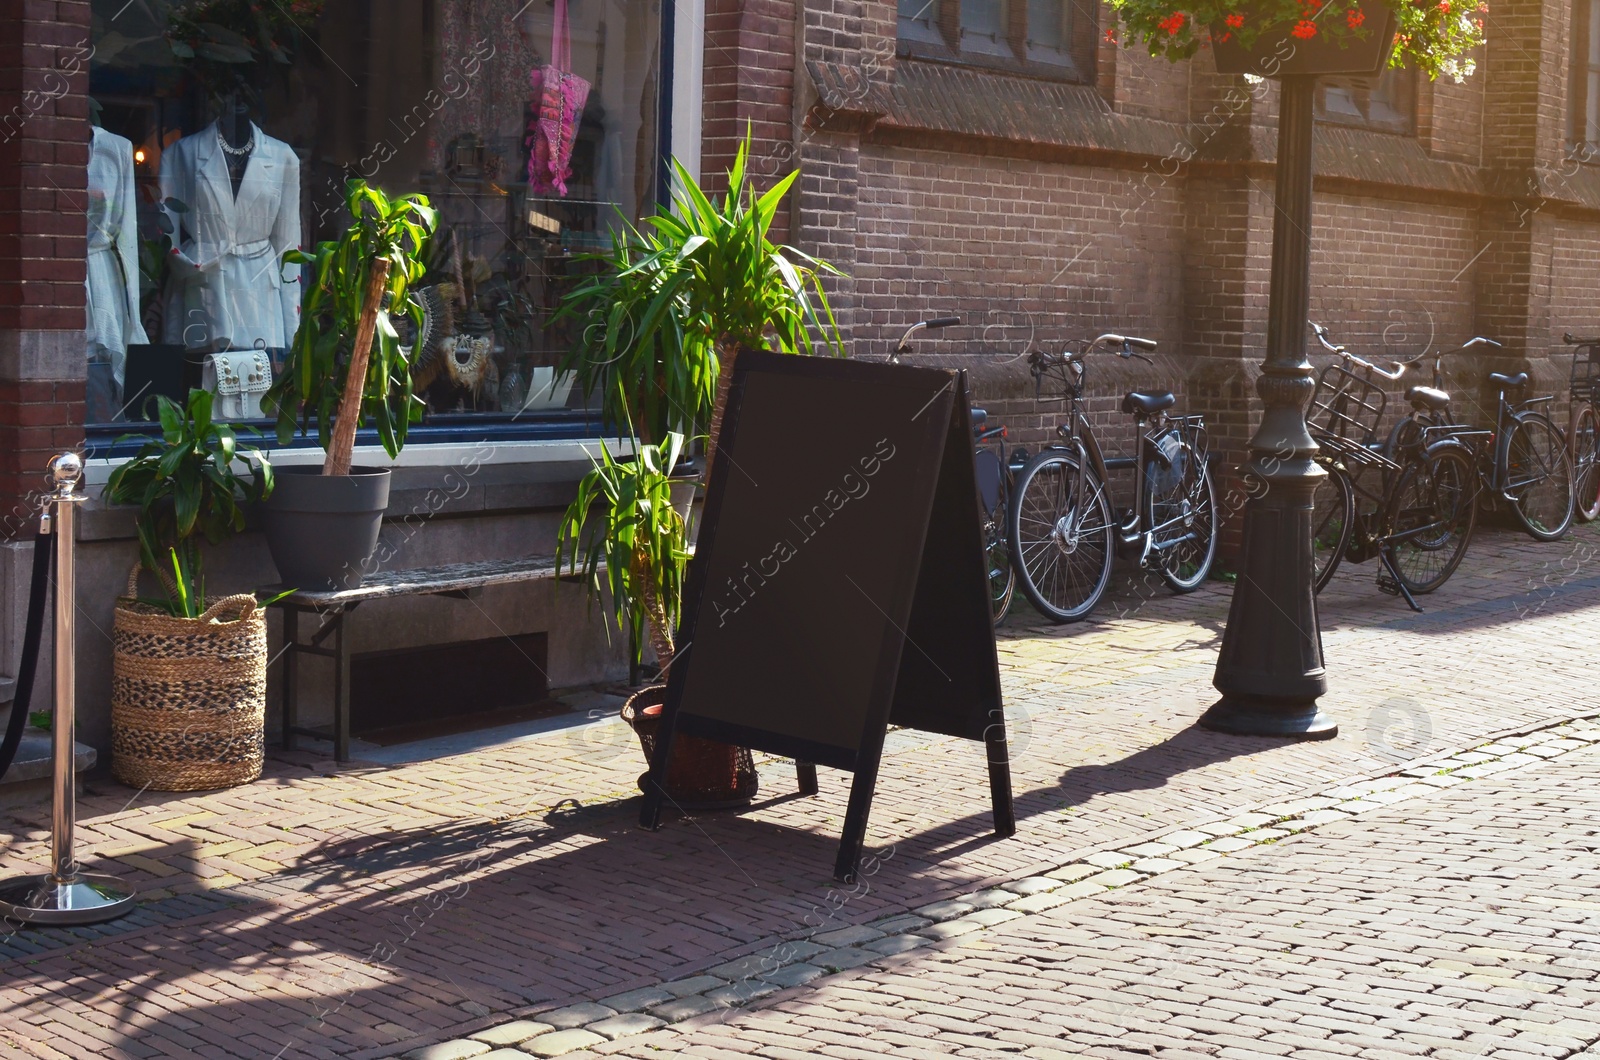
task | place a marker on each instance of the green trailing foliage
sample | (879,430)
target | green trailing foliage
(634,544)
(698,276)
(187,488)
(398,230)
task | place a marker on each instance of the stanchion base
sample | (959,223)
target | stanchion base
(1242,716)
(80,900)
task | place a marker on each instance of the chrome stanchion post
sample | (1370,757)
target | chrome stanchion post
(64,895)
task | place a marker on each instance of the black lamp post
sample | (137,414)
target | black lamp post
(1270,669)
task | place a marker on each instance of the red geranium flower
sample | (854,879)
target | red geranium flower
(1173,23)
(1235,21)
(1354,18)
(1304,29)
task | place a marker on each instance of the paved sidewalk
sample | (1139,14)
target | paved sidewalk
(1459,924)
(364,911)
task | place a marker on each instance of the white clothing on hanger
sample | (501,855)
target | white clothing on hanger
(111,318)
(230,289)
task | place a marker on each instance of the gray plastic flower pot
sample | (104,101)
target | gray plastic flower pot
(323,529)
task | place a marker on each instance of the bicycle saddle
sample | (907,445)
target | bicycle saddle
(1510,382)
(979,418)
(1426,397)
(1148,404)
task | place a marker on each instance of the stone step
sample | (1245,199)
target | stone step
(27,782)
(8,689)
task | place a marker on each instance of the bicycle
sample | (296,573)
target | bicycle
(1583,432)
(1425,508)
(1529,463)
(995,468)
(1060,526)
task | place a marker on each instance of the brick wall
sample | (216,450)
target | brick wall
(43,158)
(1145,204)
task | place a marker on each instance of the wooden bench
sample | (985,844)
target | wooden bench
(459,580)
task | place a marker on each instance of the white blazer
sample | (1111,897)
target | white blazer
(229,288)
(111,320)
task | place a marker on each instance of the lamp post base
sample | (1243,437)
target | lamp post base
(50,902)
(1246,716)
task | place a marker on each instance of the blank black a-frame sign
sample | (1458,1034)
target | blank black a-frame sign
(839,582)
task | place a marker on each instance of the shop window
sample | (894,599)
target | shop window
(226,132)
(1584,90)
(1040,38)
(1387,102)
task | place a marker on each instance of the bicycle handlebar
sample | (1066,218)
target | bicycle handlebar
(1398,368)
(904,345)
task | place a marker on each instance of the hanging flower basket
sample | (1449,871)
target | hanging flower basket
(1276,37)
(1286,49)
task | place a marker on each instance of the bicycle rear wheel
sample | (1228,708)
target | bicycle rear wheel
(1539,478)
(1060,532)
(1586,465)
(1333,518)
(1188,501)
(1430,516)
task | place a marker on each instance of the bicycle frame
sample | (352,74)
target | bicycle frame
(1079,437)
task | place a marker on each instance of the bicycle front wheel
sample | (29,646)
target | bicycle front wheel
(993,497)
(1060,536)
(1586,465)
(1430,516)
(1181,510)
(1539,478)
(1333,518)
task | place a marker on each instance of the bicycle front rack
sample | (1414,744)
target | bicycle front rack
(1586,372)
(1347,406)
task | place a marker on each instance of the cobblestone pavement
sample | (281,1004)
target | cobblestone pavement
(1455,924)
(366,911)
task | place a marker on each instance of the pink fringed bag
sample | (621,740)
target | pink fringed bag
(560,95)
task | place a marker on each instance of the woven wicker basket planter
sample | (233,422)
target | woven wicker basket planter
(703,774)
(188,695)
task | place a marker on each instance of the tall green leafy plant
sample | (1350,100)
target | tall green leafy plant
(675,298)
(346,365)
(187,488)
(634,544)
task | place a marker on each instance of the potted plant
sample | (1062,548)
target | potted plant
(1272,37)
(347,366)
(635,548)
(660,325)
(189,673)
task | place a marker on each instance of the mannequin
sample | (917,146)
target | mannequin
(230,290)
(112,282)
(238,137)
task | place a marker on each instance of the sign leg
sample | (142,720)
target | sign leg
(805,774)
(855,821)
(994,744)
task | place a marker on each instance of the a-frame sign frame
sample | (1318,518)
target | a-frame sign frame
(839,583)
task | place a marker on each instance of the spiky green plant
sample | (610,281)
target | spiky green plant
(676,296)
(634,544)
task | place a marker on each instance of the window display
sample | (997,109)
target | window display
(532,128)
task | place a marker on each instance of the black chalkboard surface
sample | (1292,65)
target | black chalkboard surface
(839,582)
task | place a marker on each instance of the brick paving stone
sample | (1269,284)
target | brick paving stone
(513,1033)
(685,1008)
(634,1000)
(897,944)
(849,936)
(948,910)
(1030,885)
(698,984)
(559,1043)
(576,1015)
(459,1049)
(625,1026)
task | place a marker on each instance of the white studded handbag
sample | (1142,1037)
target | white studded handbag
(237,380)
